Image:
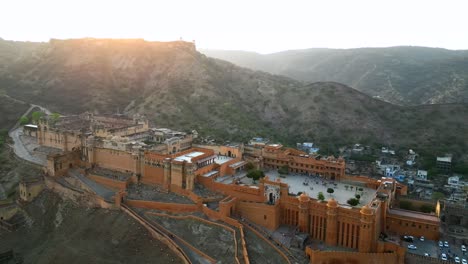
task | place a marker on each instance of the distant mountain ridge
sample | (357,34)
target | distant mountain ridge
(176,86)
(403,75)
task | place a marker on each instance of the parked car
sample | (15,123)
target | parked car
(444,256)
(412,247)
(464,261)
(441,244)
(408,238)
(446,244)
(421,238)
(463,248)
(427,254)
(457,260)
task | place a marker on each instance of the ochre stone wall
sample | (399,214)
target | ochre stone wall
(113,184)
(414,226)
(153,175)
(341,257)
(30,191)
(56,139)
(115,160)
(170,207)
(260,213)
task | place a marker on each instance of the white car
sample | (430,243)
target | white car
(441,244)
(446,244)
(464,261)
(463,248)
(427,254)
(457,260)
(412,247)
(421,238)
(444,256)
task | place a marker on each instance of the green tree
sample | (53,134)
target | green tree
(426,208)
(438,196)
(249,166)
(283,170)
(54,116)
(357,196)
(35,116)
(407,205)
(24,120)
(353,201)
(320,196)
(255,175)
(330,191)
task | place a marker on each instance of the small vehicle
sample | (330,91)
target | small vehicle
(441,244)
(421,238)
(443,256)
(412,247)
(464,261)
(408,238)
(463,248)
(427,254)
(457,260)
(446,244)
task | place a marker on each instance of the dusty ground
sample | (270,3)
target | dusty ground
(213,240)
(58,231)
(154,193)
(260,251)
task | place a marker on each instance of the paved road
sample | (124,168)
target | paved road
(20,150)
(96,187)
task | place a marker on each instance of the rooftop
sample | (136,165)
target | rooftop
(188,157)
(444,159)
(220,159)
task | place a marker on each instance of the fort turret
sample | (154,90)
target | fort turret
(332,222)
(304,212)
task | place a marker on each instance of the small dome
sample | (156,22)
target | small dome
(366,210)
(332,203)
(304,197)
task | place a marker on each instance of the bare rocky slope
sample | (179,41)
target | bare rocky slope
(178,87)
(401,75)
(59,231)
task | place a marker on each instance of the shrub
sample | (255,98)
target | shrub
(357,196)
(320,196)
(330,190)
(353,201)
(407,205)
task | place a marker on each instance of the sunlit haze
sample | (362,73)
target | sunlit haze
(261,26)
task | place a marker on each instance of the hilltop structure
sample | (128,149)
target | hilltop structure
(116,151)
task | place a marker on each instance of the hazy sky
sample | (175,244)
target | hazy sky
(262,26)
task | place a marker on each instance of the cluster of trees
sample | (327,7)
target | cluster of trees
(254,173)
(354,201)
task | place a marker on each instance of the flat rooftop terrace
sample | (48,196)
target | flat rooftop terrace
(312,185)
(220,159)
(188,157)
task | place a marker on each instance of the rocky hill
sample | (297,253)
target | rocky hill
(178,87)
(401,75)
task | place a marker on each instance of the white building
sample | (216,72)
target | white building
(422,174)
